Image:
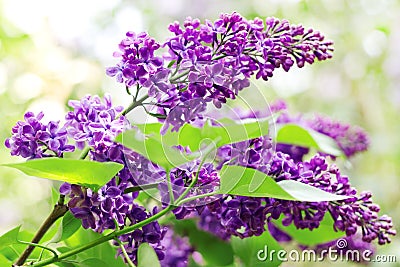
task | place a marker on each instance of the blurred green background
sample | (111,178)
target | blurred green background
(51,51)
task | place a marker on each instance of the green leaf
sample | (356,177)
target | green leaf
(215,251)
(147,256)
(92,174)
(65,264)
(153,149)
(297,135)
(242,181)
(158,148)
(305,192)
(253,250)
(68,227)
(323,234)
(93,262)
(4,261)
(228,131)
(9,238)
(105,251)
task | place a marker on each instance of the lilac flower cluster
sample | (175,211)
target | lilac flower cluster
(151,233)
(177,250)
(94,122)
(33,139)
(246,216)
(350,139)
(213,61)
(205,62)
(138,60)
(181,178)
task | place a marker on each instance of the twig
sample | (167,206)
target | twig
(59,211)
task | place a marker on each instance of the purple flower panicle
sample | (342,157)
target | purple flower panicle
(94,122)
(212,61)
(33,139)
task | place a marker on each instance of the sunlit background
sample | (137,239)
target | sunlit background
(51,51)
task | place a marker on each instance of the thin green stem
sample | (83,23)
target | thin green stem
(103,239)
(84,153)
(182,74)
(39,246)
(140,188)
(128,260)
(133,105)
(196,178)
(183,201)
(170,189)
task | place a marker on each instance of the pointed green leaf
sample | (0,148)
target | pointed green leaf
(305,192)
(226,131)
(214,251)
(93,262)
(297,135)
(153,149)
(147,256)
(68,227)
(4,261)
(9,238)
(323,234)
(255,251)
(242,181)
(92,174)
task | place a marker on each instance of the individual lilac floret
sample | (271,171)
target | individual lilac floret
(33,139)
(177,250)
(94,121)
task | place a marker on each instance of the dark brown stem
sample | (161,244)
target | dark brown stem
(59,211)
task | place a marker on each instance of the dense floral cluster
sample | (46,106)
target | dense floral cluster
(33,139)
(151,233)
(246,216)
(177,250)
(94,122)
(350,139)
(212,62)
(207,181)
(209,62)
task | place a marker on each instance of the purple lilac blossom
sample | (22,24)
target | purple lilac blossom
(94,121)
(33,139)
(182,177)
(151,233)
(177,250)
(213,61)
(245,216)
(138,61)
(350,139)
(98,210)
